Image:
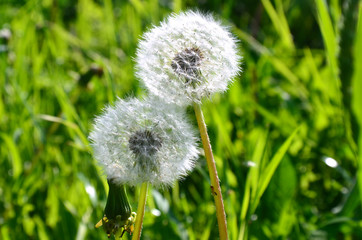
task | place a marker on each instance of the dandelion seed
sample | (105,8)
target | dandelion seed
(147,140)
(188,57)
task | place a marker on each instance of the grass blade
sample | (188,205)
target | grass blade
(357,97)
(278,20)
(14,153)
(268,172)
(330,42)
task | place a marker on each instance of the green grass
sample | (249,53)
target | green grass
(297,102)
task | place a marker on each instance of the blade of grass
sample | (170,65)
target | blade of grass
(70,125)
(257,158)
(177,6)
(357,97)
(330,42)
(278,64)
(252,182)
(14,153)
(278,20)
(268,172)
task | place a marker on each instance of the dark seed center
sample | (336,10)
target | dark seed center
(187,62)
(144,143)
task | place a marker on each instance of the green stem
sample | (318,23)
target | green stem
(215,186)
(140,211)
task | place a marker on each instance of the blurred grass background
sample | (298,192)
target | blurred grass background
(294,112)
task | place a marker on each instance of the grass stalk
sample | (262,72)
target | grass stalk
(140,211)
(215,186)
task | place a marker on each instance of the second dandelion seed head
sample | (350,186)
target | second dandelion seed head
(188,57)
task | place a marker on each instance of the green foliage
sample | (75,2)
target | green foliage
(296,104)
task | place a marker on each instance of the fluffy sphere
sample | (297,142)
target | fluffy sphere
(147,140)
(188,57)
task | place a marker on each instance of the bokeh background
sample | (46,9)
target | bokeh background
(287,134)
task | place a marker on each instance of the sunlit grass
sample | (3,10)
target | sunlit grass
(65,61)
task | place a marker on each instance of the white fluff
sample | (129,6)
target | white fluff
(181,38)
(168,156)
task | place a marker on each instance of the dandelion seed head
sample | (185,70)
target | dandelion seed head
(188,57)
(146,140)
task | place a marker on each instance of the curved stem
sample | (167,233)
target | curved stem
(140,212)
(215,186)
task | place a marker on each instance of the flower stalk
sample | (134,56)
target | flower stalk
(215,186)
(140,211)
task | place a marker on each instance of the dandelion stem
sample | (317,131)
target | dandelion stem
(215,186)
(140,211)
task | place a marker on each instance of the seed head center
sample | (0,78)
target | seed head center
(187,62)
(144,143)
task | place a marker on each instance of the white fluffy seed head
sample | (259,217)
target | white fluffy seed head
(188,57)
(146,140)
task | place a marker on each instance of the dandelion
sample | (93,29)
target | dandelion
(188,57)
(140,142)
(144,141)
